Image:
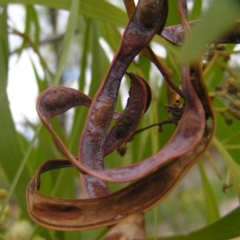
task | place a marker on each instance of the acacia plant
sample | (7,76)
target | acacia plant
(127,166)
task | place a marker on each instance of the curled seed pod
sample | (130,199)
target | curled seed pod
(137,104)
(57,100)
(149,12)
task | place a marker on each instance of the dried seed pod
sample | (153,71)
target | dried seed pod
(137,104)
(135,38)
(159,173)
(140,196)
(187,135)
(56,100)
(149,12)
(84,214)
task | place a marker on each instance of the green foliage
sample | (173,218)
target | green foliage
(88,22)
(195,45)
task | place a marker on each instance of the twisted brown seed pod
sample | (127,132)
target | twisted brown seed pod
(76,214)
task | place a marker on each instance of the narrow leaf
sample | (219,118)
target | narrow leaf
(210,201)
(227,227)
(67,40)
(100,10)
